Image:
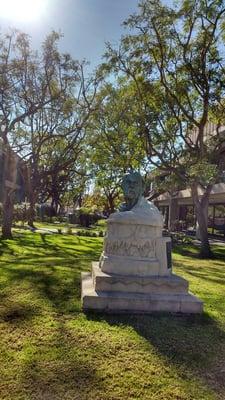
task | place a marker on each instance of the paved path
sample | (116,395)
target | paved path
(218,242)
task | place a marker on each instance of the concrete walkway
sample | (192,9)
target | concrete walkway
(218,242)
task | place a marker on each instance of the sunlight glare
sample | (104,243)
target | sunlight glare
(22,10)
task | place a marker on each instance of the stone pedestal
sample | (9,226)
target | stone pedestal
(134,274)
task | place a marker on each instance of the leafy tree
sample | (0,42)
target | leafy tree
(65,179)
(95,201)
(114,146)
(175,57)
(43,99)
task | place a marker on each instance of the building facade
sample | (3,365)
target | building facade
(178,209)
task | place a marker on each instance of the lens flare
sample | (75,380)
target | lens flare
(22,10)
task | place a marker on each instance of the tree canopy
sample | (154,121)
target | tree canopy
(156,104)
(174,55)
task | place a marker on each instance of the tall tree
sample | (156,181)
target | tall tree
(40,101)
(114,146)
(65,171)
(175,57)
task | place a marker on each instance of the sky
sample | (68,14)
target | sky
(85,24)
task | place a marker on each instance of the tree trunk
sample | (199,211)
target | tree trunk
(173,213)
(31,212)
(9,186)
(111,204)
(80,201)
(203,232)
(7,214)
(205,212)
(201,207)
(32,185)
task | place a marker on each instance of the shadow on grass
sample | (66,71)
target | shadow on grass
(209,272)
(39,289)
(206,274)
(50,266)
(68,379)
(214,273)
(193,251)
(65,374)
(195,344)
(56,368)
(4,248)
(57,290)
(15,313)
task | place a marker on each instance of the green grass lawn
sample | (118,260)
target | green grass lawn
(50,350)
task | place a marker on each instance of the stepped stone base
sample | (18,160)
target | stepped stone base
(134,294)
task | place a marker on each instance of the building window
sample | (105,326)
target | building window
(216,219)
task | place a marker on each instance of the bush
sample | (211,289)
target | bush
(87,233)
(180,238)
(102,223)
(68,230)
(83,217)
(20,212)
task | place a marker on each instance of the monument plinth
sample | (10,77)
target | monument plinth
(134,273)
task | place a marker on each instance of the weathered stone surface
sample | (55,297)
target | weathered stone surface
(134,273)
(122,302)
(133,249)
(172,284)
(129,266)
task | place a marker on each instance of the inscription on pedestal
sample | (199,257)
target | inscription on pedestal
(140,248)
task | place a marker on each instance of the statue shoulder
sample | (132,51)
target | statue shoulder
(122,207)
(146,204)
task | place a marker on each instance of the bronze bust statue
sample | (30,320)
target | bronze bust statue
(133,188)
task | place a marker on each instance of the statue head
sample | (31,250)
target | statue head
(133,188)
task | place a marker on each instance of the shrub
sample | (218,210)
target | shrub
(20,212)
(87,233)
(68,230)
(180,238)
(84,217)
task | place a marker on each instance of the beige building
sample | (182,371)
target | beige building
(182,209)
(178,210)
